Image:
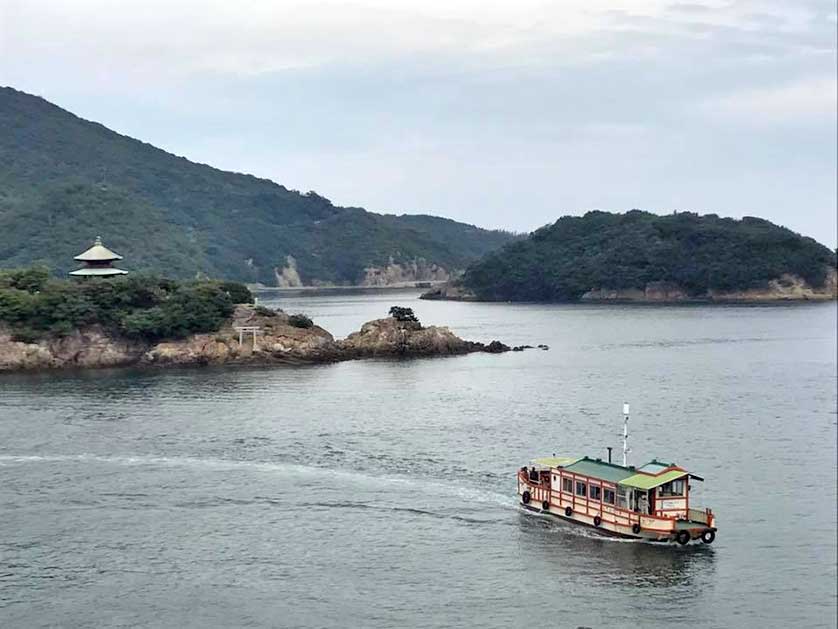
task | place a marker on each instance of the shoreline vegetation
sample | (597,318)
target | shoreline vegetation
(137,320)
(638,257)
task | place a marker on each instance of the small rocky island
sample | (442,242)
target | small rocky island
(47,323)
(105,317)
(603,257)
(253,335)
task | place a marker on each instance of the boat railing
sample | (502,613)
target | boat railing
(702,516)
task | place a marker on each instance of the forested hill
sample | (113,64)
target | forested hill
(694,254)
(64,180)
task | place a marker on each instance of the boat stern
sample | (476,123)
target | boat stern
(701,524)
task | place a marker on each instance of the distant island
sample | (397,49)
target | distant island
(63,178)
(46,323)
(642,257)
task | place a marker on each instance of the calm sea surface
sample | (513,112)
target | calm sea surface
(382,494)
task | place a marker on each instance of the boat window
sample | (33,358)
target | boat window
(567,485)
(596,492)
(581,489)
(675,488)
(608,496)
(621,497)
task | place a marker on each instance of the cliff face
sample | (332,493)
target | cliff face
(785,288)
(276,342)
(393,274)
(288,276)
(90,347)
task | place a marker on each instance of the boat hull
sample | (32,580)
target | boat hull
(599,530)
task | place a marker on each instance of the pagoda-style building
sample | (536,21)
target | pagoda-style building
(98,261)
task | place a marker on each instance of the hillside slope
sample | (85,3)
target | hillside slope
(63,180)
(638,255)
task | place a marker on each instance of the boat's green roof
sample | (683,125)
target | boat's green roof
(556,461)
(645,481)
(648,476)
(610,472)
(655,467)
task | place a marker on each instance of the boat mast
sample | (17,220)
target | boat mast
(625,433)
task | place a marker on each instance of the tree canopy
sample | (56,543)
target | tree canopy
(64,180)
(147,307)
(562,261)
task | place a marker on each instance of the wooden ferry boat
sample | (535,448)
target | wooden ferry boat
(650,502)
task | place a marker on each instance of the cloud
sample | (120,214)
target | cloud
(500,113)
(805,99)
(250,37)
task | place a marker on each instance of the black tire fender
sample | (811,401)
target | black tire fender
(708,536)
(597,521)
(526,497)
(545,506)
(682,537)
(635,528)
(568,511)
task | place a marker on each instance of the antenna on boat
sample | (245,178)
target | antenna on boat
(625,433)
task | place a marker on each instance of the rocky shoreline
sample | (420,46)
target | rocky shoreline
(787,288)
(277,342)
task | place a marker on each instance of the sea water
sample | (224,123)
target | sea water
(381,493)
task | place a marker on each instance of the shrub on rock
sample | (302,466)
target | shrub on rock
(400,313)
(237,292)
(300,321)
(264,311)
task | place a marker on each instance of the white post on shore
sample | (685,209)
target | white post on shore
(625,433)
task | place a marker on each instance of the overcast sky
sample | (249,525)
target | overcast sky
(502,114)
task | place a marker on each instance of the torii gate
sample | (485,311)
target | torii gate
(247,328)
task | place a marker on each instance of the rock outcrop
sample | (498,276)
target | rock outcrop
(276,341)
(389,337)
(785,288)
(450,291)
(90,347)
